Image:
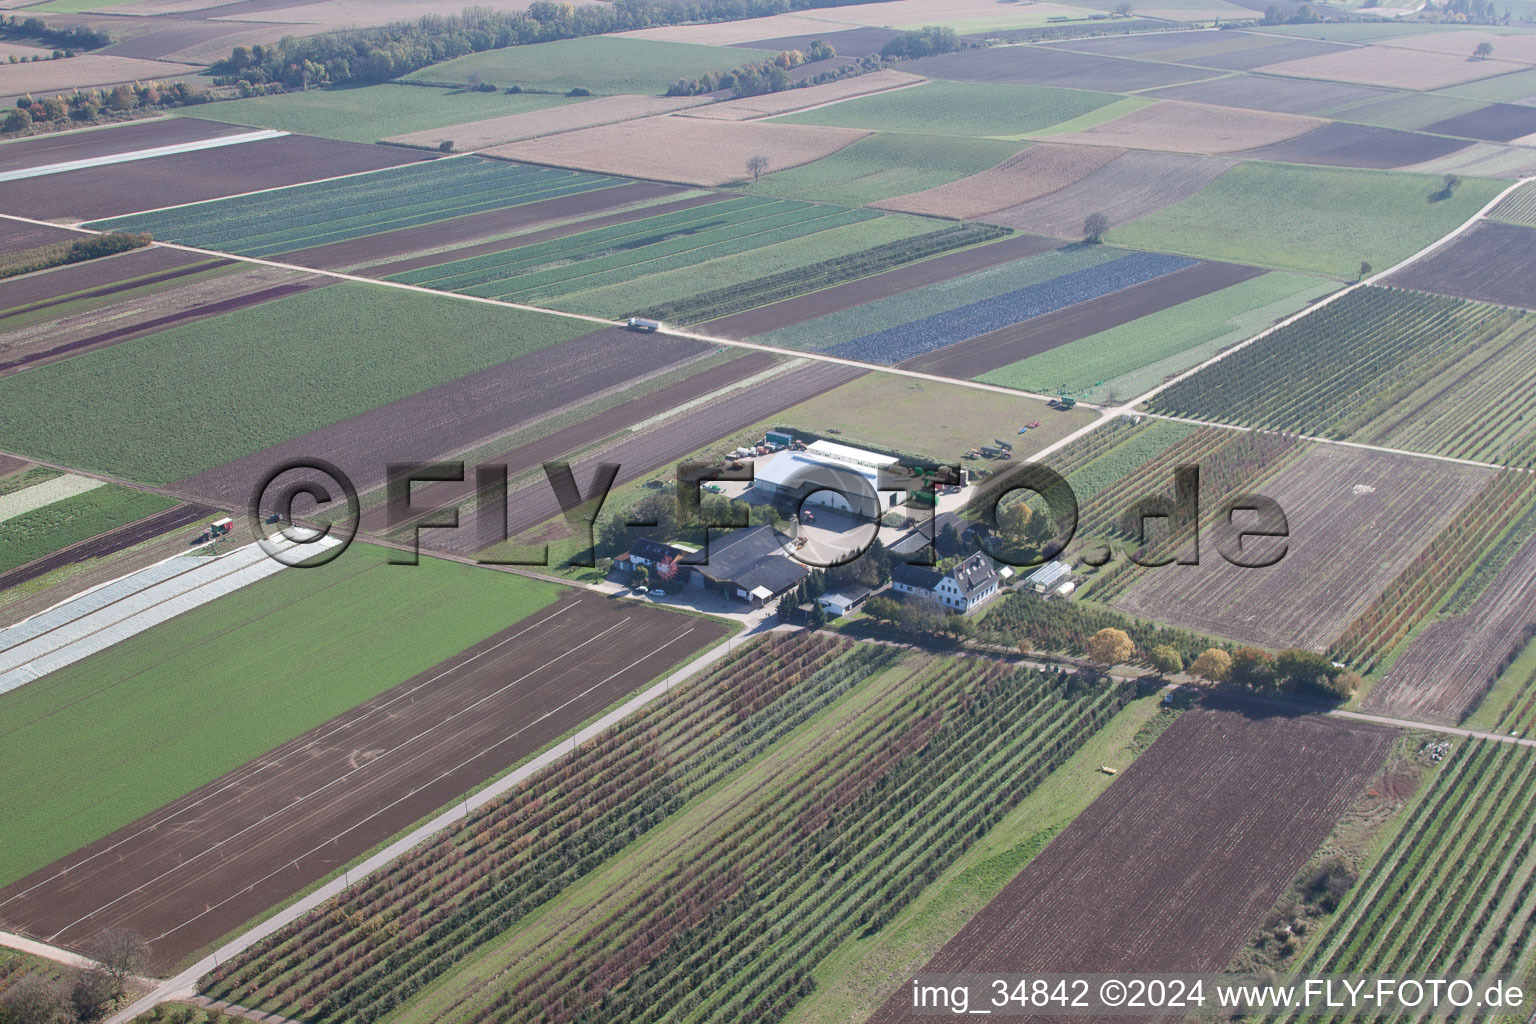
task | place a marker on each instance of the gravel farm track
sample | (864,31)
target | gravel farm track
(456,415)
(108,543)
(989,352)
(200,866)
(94,193)
(1275,782)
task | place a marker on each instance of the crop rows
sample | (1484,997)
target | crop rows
(1453,893)
(1519,715)
(904,341)
(615,255)
(774,287)
(368,949)
(1339,367)
(1519,208)
(735,931)
(333,211)
(1426,581)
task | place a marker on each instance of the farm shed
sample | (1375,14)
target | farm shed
(750,565)
(843,601)
(827,474)
(1051,578)
(971,583)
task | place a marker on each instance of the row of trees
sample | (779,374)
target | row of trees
(753,79)
(78,251)
(75,37)
(87,106)
(389,51)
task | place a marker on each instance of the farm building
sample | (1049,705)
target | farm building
(665,560)
(971,583)
(969,530)
(1052,578)
(833,475)
(843,601)
(750,565)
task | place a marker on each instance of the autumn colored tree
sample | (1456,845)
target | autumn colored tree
(1213,664)
(1109,646)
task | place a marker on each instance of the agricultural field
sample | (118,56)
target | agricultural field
(1194,128)
(1352,145)
(1037,65)
(765,749)
(374,112)
(1381,508)
(1310,219)
(884,165)
(1395,68)
(1191,901)
(1280,95)
(108,717)
(1423,372)
(683,150)
(1038,171)
(423,742)
(785,101)
(1451,887)
(604,65)
(257,385)
(1131,358)
(566,116)
(956,108)
(1518,208)
(1490,263)
(93,193)
(35,532)
(132,137)
(82,71)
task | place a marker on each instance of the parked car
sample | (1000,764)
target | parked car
(642,590)
(659,592)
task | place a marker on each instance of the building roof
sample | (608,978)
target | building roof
(752,558)
(850,455)
(973,574)
(1049,574)
(650,550)
(810,468)
(920,576)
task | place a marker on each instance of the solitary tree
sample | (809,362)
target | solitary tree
(122,953)
(1123,9)
(1165,659)
(446,146)
(1094,228)
(1365,270)
(1213,664)
(1483,51)
(1450,183)
(756,165)
(1109,646)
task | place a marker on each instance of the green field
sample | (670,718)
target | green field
(268,223)
(604,65)
(884,165)
(62,523)
(102,742)
(959,108)
(1321,220)
(1499,89)
(374,112)
(1411,110)
(1163,343)
(895,310)
(172,404)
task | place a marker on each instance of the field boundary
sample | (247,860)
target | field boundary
(184,984)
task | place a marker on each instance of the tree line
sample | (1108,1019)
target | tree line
(90,106)
(75,37)
(386,52)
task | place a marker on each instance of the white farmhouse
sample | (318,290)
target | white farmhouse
(971,583)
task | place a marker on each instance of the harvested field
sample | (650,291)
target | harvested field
(778,315)
(1171,125)
(1356,519)
(641,451)
(1038,171)
(1491,263)
(965,109)
(321,799)
(1037,65)
(685,150)
(202,42)
(789,100)
(1448,667)
(1497,122)
(1512,46)
(17,236)
(120,189)
(424,238)
(1265,92)
(1354,145)
(1132,186)
(988,352)
(143,310)
(1249,58)
(97,278)
(124,138)
(1393,67)
(853,42)
(1484,159)
(495,131)
(460,414)
(83,71)
(1229,51)
(1178,862)
(105,544)
(20,52)
(10,464)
